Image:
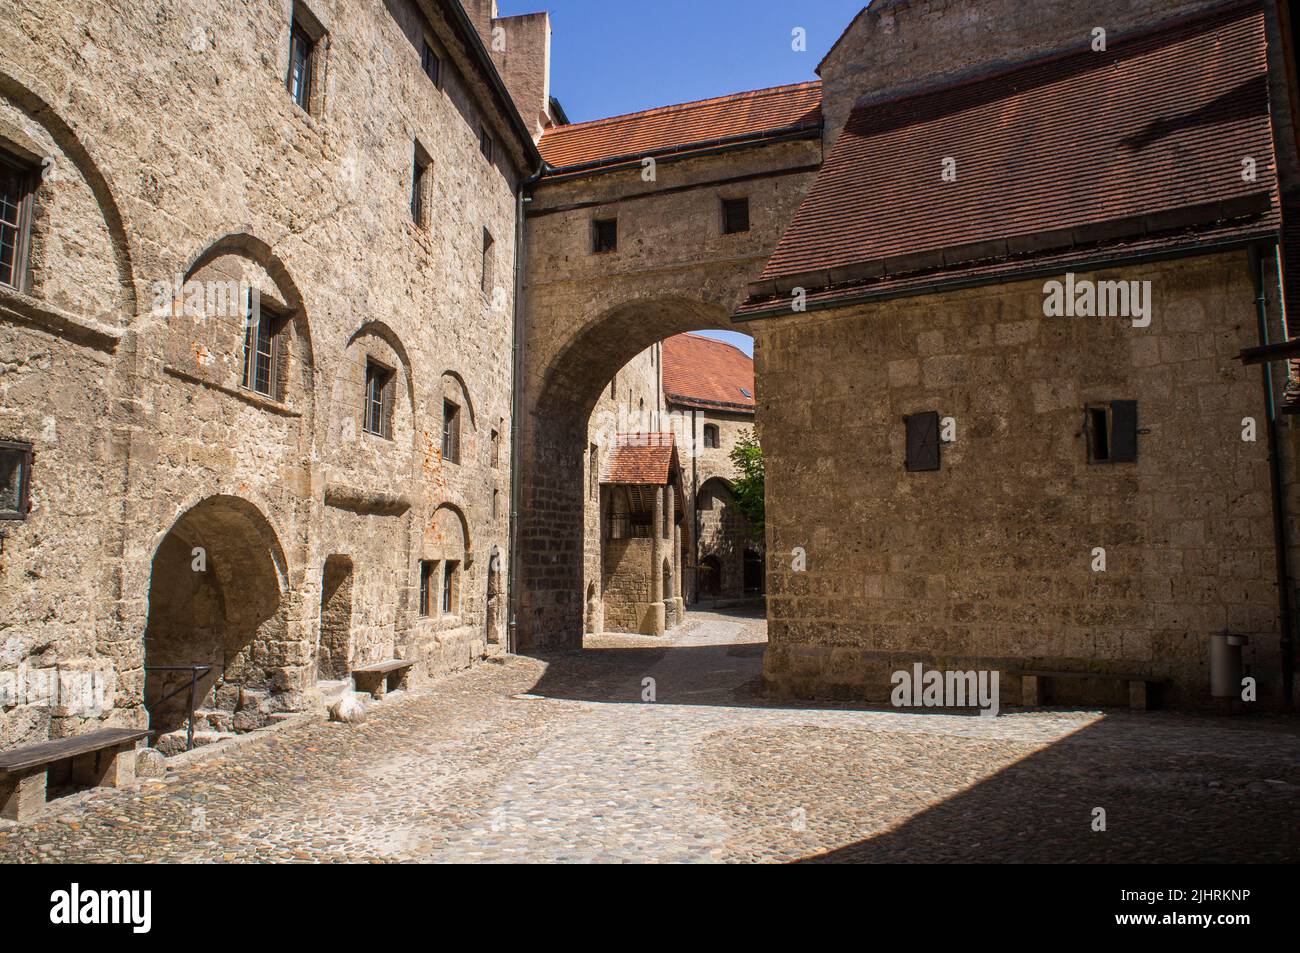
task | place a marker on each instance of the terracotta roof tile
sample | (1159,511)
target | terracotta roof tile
(1072,150)
(644,459)
(676,128)
(702,372)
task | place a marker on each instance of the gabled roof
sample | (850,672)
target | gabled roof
(1139,145)
(753,115)
(713,375)
(640,459)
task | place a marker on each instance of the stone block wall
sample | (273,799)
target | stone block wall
(990,561)
(176,152)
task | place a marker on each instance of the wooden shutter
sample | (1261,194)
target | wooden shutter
(922,441)
(387,392)
(1123,431)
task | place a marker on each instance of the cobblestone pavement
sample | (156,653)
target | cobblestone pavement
(561,760)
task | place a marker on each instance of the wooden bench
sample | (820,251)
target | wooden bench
(104,758)
(382,677)
(1036,685)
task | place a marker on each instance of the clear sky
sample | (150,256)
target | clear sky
(610,57)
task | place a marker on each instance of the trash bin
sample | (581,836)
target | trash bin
(1225,664)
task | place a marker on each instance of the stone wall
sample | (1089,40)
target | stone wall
(631,402)
(177,153)
(990,561)
(587,315)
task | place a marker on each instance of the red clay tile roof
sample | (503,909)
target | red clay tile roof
(702,372)
(1080,149)
(671,129)
(644,459)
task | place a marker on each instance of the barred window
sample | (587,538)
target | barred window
(301,48)
(429,62)
(16,186)
(15,479)
(380,388)
(262,345)
(450,432)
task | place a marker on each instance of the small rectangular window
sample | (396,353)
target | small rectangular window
(496,447)
(429,62)
(593,471)
(710,437)
(450,432)
(604,235)
(420,186)
(262,347)
(1112,432)
(922,441)
(380,390)
(489,252)
(735,216)
(302,49)
(428,570)
(17,184)
(450,597)
(495,494)
(15,479)
(485,144)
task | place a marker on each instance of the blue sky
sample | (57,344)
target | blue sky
(610,57)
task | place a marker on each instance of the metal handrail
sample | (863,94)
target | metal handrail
(194,671)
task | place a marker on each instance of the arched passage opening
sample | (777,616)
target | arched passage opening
(218,600)
(566,384)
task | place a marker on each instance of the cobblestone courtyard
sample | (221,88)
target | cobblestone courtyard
(561,760)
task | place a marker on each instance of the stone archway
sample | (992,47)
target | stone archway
(566,386)
(218,598)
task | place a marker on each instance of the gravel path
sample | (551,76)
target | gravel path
(561,759)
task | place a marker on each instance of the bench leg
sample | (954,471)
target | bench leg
(22,795)
(1031,690)
(108,768)
(1137,696)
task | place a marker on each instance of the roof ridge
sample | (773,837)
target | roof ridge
(672,107)
(701,337)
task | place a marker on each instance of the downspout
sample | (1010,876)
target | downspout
(516,387)
(695,502)
(1258,264)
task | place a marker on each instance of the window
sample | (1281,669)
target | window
(428,573)
(1112,432)
(420,178)
(485,144)
(496,448)
(604,235)
(16,188)
(302,52)
(429,62)
(15,479)
(922,441)
(450,595)
(488,255)
(380,388)
(735,216)
(593,471)
(710,436)
(613,387)
(450,432)
(495,497)
(262,346)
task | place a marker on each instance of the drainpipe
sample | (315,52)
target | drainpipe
(695,503)
(1258,264)
(516,388)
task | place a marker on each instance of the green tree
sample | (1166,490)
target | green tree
(747,488)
